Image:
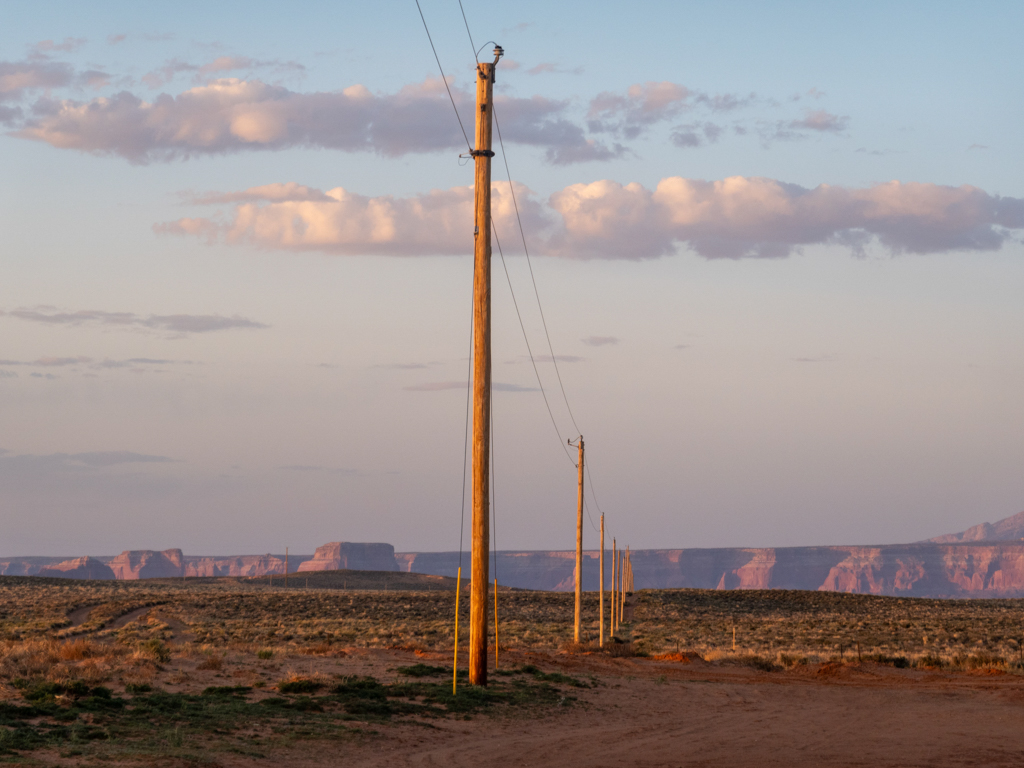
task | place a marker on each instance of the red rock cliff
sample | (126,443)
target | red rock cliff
(345,554)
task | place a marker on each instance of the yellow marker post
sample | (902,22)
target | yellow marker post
(495,623)
(455,662)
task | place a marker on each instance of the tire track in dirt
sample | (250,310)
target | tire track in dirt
(128,618)
(79,616)
(180,633)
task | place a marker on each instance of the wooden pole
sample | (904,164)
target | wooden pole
(481,375)
(455,661)
(622,584)
(579,545)
(601,600)
(615,571)
(286,566)
(495,623)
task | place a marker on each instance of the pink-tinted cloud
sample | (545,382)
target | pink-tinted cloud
(16,77)
(230,115)
(67,45)
(736,217)
(645,104)
(744,217)
(820,120)
(293,217)
(217,67)
(640,107)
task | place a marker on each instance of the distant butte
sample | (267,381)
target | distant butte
(986,560)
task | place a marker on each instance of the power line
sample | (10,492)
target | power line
(466,22)
(445,79)
(533,362)
(592,491)
(465,444)
(536,292)
(529,263)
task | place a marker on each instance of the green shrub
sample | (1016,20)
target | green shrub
(156,648)
(302,685)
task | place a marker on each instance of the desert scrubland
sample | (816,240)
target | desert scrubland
(247,672)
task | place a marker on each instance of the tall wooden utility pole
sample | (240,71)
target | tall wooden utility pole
(481,372)
(579,544)
(601,603)
(286,566)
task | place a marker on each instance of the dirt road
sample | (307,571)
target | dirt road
(662,714)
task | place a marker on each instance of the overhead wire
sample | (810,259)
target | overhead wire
(529,264)
(536,291)
(471,44)
(465,445)
(426,29)
(533,361)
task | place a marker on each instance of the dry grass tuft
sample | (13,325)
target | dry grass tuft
(212,662)
(684,657)
(59,661)
(323,649)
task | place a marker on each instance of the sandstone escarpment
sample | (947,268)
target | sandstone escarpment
(353,556)
(147,564)
(78,568)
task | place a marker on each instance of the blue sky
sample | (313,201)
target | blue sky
(778,248)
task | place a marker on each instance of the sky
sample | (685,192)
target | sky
(778,250)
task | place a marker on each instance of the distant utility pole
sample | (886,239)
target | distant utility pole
(615,573)
(579,542)
(286,566)
(481,372)
(601,602)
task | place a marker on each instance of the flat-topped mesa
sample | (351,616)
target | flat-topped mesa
(352,556)
(78,568)
(146,564)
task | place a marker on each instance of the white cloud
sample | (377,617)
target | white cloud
(732,218)
(293,217)
(231,114)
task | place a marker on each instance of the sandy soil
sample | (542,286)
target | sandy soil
(650,713)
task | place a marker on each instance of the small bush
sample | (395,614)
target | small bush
(136,688)
(757,662)
(900,662)
(299,685)
(790,660)
(211,662)
(424,670)
(265,653)
(984,661)
(157,649)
